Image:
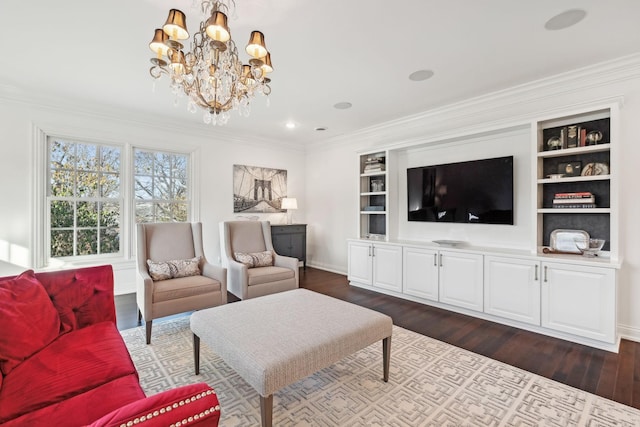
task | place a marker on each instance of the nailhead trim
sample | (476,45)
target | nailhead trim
(169,408)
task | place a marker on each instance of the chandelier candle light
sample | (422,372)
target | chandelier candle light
(211,74)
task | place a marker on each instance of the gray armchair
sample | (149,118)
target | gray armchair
(254,237)
(161,242)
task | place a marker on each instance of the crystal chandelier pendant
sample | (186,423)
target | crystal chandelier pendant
(211,73)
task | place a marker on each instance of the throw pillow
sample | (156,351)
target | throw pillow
(255,259)
(163,270)
(28,319)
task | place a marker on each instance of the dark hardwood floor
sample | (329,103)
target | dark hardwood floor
(610,375)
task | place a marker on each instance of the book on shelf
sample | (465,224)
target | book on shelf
(574,201)
(583,136)
(574,205)
(573,195)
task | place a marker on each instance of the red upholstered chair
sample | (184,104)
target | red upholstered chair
(174,293)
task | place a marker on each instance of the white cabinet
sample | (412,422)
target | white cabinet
(461,279)
(420,273)
(512,288)
(375,264)
(580,300)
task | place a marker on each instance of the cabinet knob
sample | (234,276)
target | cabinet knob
(440,260)
(536,275)
(545,274)
(435,260)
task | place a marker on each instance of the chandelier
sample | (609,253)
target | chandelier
(210,73)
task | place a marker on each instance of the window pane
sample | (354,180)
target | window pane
(87,185)
(179,211)
(109,240)
(143,162)
(62,155)
(61,184)
(109,214)
(180,167)
(61,214)
(162,188)
(181,190)
(109,159)
(87,214)
(110,185)
(144,212)
(88,242)
(163,212)
(86,157)
(144,187)
(61,243)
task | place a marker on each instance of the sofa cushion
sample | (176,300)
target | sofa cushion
(183,287)
(28,320)
(74,363)
(258,276)
(84,408)
(163,270)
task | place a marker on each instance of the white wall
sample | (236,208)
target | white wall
(477,128)
(214,160)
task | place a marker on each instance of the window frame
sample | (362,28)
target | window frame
(40,237)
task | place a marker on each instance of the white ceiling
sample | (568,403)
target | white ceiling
(323,52)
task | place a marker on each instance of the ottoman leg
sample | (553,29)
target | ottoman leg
(196,353)
(386,357)
(266,410)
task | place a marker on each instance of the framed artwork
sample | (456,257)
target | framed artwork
(257,189)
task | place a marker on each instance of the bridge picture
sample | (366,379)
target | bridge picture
(258,189)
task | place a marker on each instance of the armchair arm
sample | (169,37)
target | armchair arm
(196,401)
(218,273)
(144,293)
(238,278)
(287,262)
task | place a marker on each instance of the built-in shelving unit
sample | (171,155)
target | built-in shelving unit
(373,194)
(573,156)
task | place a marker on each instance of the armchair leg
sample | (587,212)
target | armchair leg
(139,317)
(148,324)
(196,353)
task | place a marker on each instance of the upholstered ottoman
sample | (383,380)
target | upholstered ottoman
(278,339)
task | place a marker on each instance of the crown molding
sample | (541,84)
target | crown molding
(503,109)
(13,95)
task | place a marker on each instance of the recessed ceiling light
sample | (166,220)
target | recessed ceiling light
(342,105)
(565,19)
(420,75)
(321,128)
(290,125)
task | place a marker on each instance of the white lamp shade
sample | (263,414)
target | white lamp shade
(289,203)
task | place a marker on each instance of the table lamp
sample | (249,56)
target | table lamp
(289,203)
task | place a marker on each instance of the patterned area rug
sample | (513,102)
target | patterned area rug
(431,384)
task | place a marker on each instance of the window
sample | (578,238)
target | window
(84,202)
(93,196)
(161,190)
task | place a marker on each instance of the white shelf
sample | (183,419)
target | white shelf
(588,178)
(373,212)
(374,193)
(577,150)
(380,173)
(574,210)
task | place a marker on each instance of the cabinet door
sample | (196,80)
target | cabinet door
(360,263)
(420,273)
(387,267)
(298,243)
(512,288)
(461,279)
(579,300)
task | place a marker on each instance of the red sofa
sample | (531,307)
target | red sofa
(64,363)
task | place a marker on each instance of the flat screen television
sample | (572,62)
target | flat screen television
(477,191)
